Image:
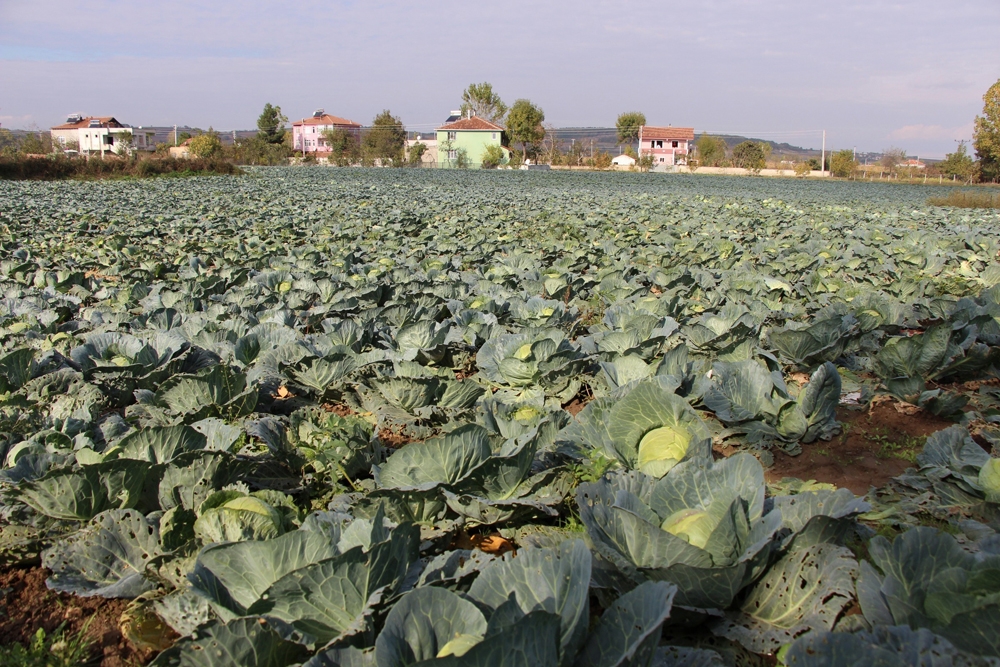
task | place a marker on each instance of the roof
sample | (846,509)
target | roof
(623,159)
(670,133)
(474,123)
(326,119)
(106,121)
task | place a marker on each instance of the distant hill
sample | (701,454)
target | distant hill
(606,139)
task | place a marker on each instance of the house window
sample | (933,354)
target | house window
(674,144)
(494,135)
(452,136)
(659,144)
(452,155)
(662,159)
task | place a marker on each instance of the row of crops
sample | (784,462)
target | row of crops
(277,412)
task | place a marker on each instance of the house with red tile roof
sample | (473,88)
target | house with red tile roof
(471,137)
(667,145)
(307,134)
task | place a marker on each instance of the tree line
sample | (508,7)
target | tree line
(384,142)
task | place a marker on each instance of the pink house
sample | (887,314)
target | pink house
(668,145)
(307,134)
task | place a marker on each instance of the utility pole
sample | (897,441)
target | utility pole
(822,164)
(175,135)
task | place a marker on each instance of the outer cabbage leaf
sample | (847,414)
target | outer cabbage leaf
(427,623)
(329,598)
(552,580)
(107,558)
(629,631)
(805,591)
(243,642)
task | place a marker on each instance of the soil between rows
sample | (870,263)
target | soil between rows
(26,604)
(874,446)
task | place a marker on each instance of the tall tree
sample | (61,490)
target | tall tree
(480,100)
(385,141)
(749,155)
(711,150)
(271,124)
(628,125)
(986,135)
(958,164)
(524,125)
(343,144)
(842,163)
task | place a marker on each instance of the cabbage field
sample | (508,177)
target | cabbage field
(343,417)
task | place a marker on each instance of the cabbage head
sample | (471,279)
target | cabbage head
(702,526)
(645,426)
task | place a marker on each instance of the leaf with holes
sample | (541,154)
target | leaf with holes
(107,558)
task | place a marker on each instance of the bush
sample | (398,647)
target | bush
(602,160)
(492,157)
(749,155)
(60,168)
(842,163)
(968,199)
(206,145)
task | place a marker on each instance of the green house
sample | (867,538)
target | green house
(466,140)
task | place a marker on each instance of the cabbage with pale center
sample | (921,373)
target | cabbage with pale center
(459,646)
(523,352)
(661,449)
(989,480)
(694,526)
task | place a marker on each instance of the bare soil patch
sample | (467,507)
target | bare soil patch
(339,409)
(875,446)
(579,402)
(27,604)
(394,439)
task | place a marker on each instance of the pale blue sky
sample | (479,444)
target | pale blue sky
(873,74)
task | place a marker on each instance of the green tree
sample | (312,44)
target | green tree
(842,163)
(524,125)
(749,155)
(480,100)
(416,153)
(958,164)
(206,145)
(385,142)
(711,150)
(344,146)
(124,143)
(271,125)
(34,144)
(492,157)
(628,125)
(986,135)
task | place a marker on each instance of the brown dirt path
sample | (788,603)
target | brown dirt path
(875,446)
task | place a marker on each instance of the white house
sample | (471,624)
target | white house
(100,134)
(623,161)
